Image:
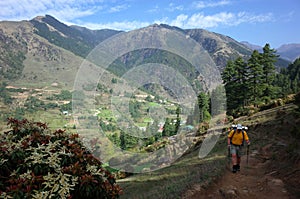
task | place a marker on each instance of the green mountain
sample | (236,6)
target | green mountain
(45,51)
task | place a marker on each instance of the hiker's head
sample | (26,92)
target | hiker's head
(239,127)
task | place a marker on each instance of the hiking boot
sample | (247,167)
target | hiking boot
(234,169)
(238,168)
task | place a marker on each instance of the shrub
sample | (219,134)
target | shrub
(36,163)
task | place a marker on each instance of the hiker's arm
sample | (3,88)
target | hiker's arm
(228,141)
(229,138)
(247,138)
(248,142)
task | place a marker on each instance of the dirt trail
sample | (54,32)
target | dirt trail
(253,181)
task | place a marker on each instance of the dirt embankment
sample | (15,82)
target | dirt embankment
(273,169)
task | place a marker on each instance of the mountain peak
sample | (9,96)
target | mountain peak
(43,18)
(288,46)
(289,51)
(252,46)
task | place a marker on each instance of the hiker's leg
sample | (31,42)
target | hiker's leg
(238,158)
(233,152)
(238,167)
(234,158)
(234,163)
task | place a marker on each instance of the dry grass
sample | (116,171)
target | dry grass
(173,181)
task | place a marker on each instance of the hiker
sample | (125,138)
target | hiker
(236,138)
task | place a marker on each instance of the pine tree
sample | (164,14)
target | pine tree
(241,81)
(167,129)
(294,75)
(122,140)
(235,77)
(229,76)
(203,106)
(268,60)
(177,124)
(255,77)
(283,83)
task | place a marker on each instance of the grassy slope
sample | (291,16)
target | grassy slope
(173,181)
(40,73)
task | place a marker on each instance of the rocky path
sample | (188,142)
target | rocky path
(253,181)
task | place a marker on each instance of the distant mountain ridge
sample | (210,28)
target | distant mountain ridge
(81,40)
(289,52)
(46,50)
(77,39)
(252,46)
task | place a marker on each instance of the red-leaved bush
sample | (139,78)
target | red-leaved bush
(38,163)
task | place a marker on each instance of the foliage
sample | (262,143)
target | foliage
(268,59)
(66,107)
(288,80)
(38,163)
(33,104)
(107,126)
(177,123)
(134,108)
(4,94)
(102,88)
(250,82)
(256,84)
(203,105)
(114,80)
(293,71)
(122,140)
(169,128)
(63,95)
(201,110)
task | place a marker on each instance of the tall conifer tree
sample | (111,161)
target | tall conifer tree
(255,77)
(268,60)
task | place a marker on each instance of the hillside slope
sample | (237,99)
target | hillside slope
(30,60)
(272,171)
(78,40)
